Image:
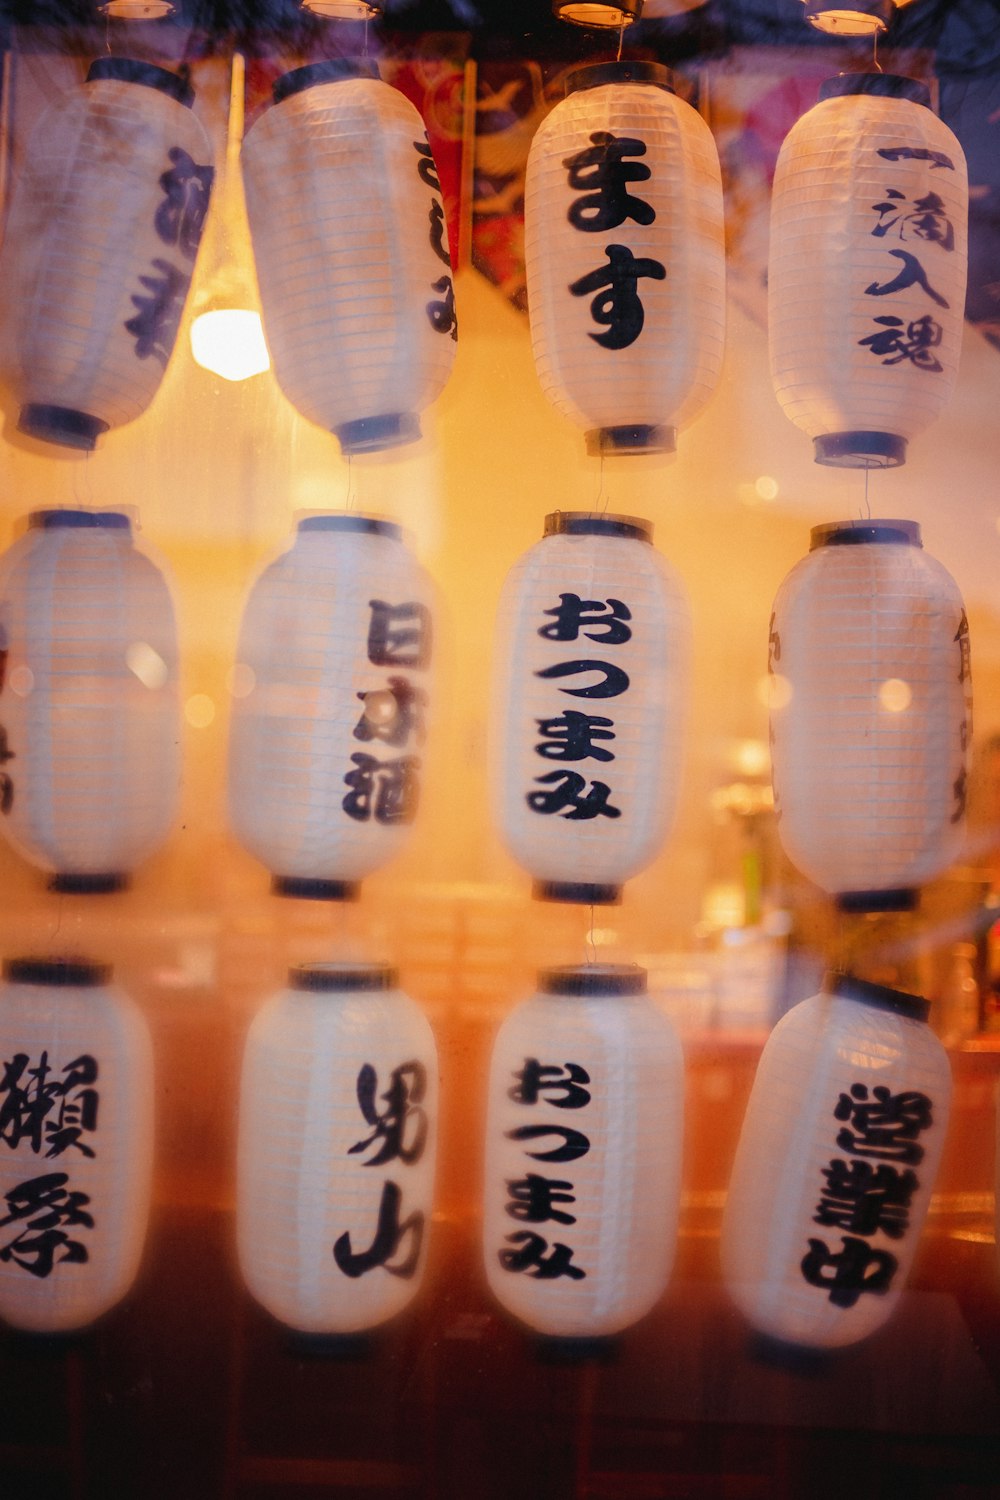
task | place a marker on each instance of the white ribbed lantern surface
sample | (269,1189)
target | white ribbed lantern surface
(89,713)
(583,1153)
(835,1166)
(337,1142)
(588,705)
(329,722)
(104,227)
(871,713)
(351,245)
(625,259)
(866,281)
(76,1143)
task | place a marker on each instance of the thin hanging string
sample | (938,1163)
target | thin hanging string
(364,49)
(601,503)
(868,509)
(621,36)
(875,62)
(350,483)
(591,945)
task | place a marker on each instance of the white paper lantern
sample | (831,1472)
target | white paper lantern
(583,1153)
(89,715)
(326,739)
(588,706)
(104,227)
(871,713)
(76,1143)
(869,232)
(836,1161)
(625,258)
(337,1142)
(351,245)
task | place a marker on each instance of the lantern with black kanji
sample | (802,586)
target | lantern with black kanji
(105,221)
(866,281)
(352,255)
(588,706)
(871,713)
(625,259)
(89,713)
(836,1162)
(76,1143)
(337,1141)
(583,1153)
(329,717)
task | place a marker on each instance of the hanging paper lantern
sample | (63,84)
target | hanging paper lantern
(836,1161)
(869,228)
(589,701)
(76,1143)
(337,1142)
(583,1153)
(352,254)
(104,228)
(89,718)
(871,713)
(333,665)
(625,258)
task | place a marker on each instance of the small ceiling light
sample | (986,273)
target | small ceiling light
(343,10)
(136,10)
(611,17)
(862,18)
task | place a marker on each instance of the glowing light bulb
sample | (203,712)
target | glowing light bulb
(229,341)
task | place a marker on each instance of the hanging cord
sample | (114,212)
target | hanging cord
(868,509)
(350,483)
(621,37)
(591,945)
(603,499)
(875,62)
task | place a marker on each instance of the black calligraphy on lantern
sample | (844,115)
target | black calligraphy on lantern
(923,221)
(440,311)
(573,735)
(602,175)
(6,779)
(158,311)
(870,1192)
(180,217)
(386,790)
(917,153)
(617,307)
(44,1108)
(960,787)
(536,1198)
(398,1133)
(44,1208)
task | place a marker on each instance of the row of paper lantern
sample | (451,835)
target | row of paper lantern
(624,251)
(337,1143)
(870,721)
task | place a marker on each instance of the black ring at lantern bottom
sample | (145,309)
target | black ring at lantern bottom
(100,883)
(306,888)
(563,1349)
(577,890)
(62,973)
(341,1347)
(783,1354)
(903,899)
(372,434)
(61,424)
(644,437)
(860,450)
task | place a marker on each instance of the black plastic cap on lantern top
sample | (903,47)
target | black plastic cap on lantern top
(373,434)
(61,424)
(59,973)
(305,888)
(582,980)
(859,450)
(326,977)
(583,892)
(99,883)
(131,70)
(857,533)
(889,85)
(590,523)
(878,996)
(344,521)
(607,15)
(851,18)
(596,75)
(624,442)
(333,70)
(56,520)
(902,898)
